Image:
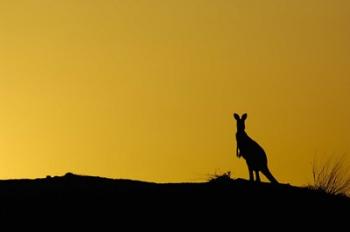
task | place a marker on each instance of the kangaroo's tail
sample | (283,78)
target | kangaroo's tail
(269,176)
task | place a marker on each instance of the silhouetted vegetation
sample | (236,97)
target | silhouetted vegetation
(332,176)
(221,178)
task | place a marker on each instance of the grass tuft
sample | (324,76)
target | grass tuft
(221,178)
(332,176)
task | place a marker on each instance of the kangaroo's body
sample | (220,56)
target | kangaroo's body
(252,152)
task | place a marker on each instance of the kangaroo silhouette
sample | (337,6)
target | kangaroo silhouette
(251,151)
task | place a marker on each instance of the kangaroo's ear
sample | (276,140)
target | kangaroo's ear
(236,116)
(244,116)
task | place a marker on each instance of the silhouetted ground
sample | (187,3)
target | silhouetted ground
(85,200)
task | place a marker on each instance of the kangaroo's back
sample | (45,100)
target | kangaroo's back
(251,151)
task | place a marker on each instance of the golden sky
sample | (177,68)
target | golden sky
(145,89)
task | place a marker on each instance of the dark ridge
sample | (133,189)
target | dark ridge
(95,199)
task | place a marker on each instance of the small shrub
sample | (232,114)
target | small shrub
(221,178)
(332,176)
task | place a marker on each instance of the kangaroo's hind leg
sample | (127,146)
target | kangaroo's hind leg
(257,177)
(251,175)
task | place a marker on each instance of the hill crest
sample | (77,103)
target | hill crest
(99,197)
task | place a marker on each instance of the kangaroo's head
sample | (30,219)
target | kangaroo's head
(240,121)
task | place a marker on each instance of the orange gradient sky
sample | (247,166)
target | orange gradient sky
(145,89)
